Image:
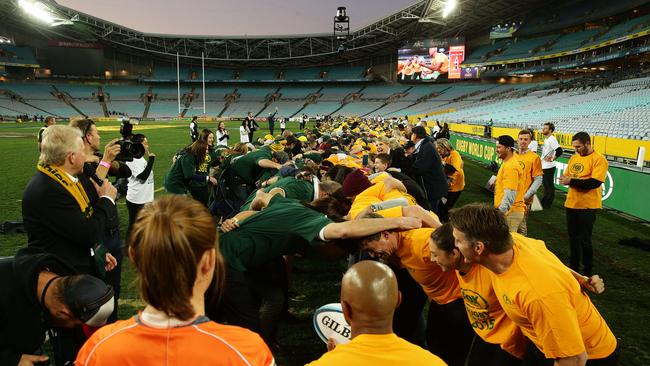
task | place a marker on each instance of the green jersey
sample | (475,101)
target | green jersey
(283,227)
(247,166)
(297,189)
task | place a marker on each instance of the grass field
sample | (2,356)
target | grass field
(625,304)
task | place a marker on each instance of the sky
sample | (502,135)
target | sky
(235,18)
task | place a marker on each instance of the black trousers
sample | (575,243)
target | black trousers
(580,225)
(250,136)
(112,242)
(408,320)
(271,128)
(134,209)
(443,208)
(535,357)
(449,333)
(483,353)
(200,193)
(549,187)
(254,299)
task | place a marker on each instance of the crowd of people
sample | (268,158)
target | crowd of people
(214,255)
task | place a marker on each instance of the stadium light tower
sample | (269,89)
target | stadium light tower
(42,13)
(450,5)
(341,24)
(37,10)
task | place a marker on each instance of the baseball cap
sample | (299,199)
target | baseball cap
(89,299)
(419,131)
(506,141)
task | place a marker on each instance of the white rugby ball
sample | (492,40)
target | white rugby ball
(329,322)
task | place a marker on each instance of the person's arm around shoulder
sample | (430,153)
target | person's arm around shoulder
(363,227)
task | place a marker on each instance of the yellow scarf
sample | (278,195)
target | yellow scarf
(75,189)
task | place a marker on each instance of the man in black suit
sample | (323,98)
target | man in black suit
(59,212)
(427,167)
(252,126)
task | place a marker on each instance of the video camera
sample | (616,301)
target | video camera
(129,150)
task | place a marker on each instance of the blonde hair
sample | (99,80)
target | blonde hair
(394,143)
(169,238)
(58,142)
(444,144)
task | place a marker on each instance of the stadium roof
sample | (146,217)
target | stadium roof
(420,20)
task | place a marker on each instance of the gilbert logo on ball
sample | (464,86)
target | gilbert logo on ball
(329,322)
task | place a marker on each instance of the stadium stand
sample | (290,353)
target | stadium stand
(285,108)
(618,111)
(20,55)
(302,74)
(297,92)
(382,92)
(258,74)
(345,73)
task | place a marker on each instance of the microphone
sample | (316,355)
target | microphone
(90,172)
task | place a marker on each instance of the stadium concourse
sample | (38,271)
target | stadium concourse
(455,183)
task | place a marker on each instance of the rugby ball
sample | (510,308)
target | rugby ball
(329,322)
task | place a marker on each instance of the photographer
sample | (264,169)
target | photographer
(40,293)
(108,164)
(62,211)
(141,182)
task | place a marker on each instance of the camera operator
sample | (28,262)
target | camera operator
(103,166)
(141,183)
(39,292)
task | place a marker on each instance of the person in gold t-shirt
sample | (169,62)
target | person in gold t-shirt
(446,309)
(499,342)
(585,174)
(536,291)
(509,187)
(369,298)
(533,175)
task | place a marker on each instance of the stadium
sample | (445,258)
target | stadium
(352,78)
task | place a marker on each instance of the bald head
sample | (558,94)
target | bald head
(369,295)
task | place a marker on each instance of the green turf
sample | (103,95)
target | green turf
(625,304)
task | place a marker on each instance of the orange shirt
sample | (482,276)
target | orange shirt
(375,194)
(415,255)
(378,350)
(343,159)
(594,166)
(485,313)
(457,182)
(541,296)
(129,342)
(532,167)
(510,177)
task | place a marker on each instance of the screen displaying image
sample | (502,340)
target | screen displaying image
(430,60)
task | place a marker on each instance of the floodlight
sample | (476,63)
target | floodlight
(341,14)
(37,10)
(450,5)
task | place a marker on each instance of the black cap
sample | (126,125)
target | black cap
(506,141)
(409,144)
(419,132)
(89,299)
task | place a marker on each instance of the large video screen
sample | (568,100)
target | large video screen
(430,60)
